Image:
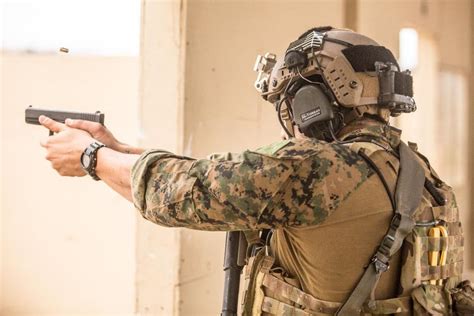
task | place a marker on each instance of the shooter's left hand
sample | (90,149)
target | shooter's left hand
(64,148)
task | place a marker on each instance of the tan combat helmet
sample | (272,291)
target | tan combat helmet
(355,73)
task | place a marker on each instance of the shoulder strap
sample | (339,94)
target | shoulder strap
(408,194)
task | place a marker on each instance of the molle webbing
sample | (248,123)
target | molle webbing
(302,304)
(446,214)
(257,267)
(298,297)
(275,307)
(363,57)
(440,243)
(442,272)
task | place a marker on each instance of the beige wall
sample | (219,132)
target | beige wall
(1,185)
(470,135)
(67,244)
(223,112)
(161,81)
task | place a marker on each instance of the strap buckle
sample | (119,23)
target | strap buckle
(380,266)
(389,239)
(396,220)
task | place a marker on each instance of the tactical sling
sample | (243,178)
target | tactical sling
(408,195)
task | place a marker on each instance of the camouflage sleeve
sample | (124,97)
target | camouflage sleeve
(210,194)
(251,190)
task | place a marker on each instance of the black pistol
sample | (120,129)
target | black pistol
(32,115)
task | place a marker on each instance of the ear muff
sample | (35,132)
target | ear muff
(310,105)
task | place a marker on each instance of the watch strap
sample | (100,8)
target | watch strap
(91,152)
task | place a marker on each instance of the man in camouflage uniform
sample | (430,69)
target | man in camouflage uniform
(326,191)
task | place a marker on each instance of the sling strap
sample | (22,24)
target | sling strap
(408,194)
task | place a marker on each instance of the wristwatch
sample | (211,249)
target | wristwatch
(89,159)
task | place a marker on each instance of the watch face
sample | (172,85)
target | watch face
(85,161)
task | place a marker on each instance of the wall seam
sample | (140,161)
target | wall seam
(140,128)
(180,137)
(351,14)
(471,140)
(182,71)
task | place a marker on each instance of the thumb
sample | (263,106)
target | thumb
(88,126)
(50,124)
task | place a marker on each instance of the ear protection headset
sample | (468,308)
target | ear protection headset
(312,103)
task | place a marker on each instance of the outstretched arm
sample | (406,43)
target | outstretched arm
(253,190)
(219,194)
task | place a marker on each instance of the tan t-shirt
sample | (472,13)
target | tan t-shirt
(329,259)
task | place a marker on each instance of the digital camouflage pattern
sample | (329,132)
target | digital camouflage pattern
(290,183)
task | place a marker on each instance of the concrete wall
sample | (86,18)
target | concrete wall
(67,244)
